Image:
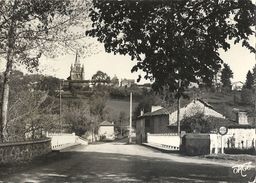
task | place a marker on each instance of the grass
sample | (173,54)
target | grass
(232,157)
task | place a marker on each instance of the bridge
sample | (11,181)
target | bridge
(64,140)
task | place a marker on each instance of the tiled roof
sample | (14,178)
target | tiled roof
(169,110)
(222,122)
(158,112)
(106,123)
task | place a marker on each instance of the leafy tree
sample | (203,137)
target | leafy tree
(77,119)
(247,96)
(254,77)
(50,84)
(146,103)
(100,78)
(123,120)
(172,40)
(97,103)
(29,29)
(249,80)
(196,123)
(115,81)
(226,75)
(199,123)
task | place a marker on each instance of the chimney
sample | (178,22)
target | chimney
(241,118)
(141,112)
(155,108)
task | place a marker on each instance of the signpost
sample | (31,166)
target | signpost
(222,131)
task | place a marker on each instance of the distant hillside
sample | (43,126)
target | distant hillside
(117,105)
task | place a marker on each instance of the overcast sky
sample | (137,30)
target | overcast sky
(238,57)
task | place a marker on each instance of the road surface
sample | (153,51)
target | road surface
(118,162)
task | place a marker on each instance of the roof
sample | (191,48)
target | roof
(106,123)
(169,110)
(217,122)
(158,112)
(251,114)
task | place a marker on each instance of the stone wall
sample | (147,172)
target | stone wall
(196,144)
(23,151)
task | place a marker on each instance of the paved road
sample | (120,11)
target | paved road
(118,162)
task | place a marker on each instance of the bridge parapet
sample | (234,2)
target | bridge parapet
(23,151)
(63,140)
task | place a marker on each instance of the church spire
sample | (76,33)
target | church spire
(77,61)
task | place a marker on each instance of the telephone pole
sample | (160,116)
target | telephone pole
(178,110)
(60,121)
(130,129)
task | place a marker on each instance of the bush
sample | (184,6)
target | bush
(250,151)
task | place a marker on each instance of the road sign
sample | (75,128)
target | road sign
(223,130)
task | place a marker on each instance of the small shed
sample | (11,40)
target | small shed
(106,130)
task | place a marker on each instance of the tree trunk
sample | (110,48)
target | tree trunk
(7,73)
(5,99)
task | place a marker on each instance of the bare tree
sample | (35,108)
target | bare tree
(30,28)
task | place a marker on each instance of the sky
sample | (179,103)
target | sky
(238,58)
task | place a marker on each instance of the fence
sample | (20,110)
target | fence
(165,140)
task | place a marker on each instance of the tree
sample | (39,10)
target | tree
(247,96)
(226,75)
(97,105)
(50,84)
(31,113)
(172,40)
(100,78)
(146,103)
(77,118)
(254,77)
(29,29)
(123,120)
(199,123)
(249,80)
(115,81)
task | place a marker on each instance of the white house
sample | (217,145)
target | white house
(194,107)
(238,85)
(106,130)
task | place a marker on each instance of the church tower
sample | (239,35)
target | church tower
(77,71)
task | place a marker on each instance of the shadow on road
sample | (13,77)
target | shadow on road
(106,167)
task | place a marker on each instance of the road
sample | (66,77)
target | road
(118,162)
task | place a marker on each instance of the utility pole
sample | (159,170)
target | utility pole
(60,109)
(130,129)
(178,111)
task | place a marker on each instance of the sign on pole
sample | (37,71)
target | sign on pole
(222,131)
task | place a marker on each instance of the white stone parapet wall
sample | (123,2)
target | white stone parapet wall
(169,139)
(59,140)
(244,138)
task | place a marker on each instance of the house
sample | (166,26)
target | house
(238,85)
(127,83)
(106,131)
(161,120)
